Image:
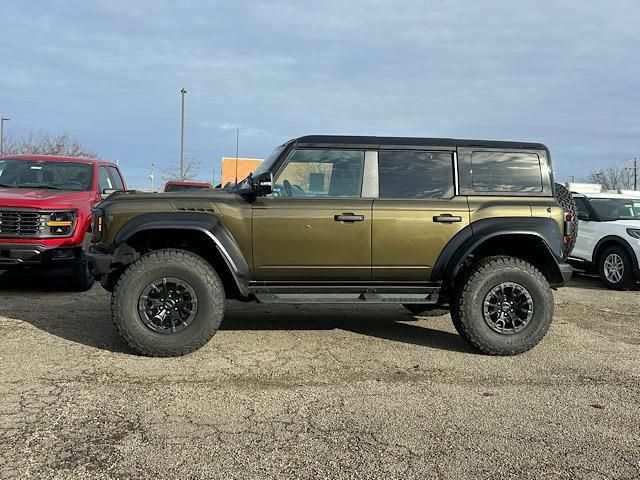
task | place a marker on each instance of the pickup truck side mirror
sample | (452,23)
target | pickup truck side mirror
(262,184)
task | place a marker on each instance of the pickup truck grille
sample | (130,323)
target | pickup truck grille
(20,223)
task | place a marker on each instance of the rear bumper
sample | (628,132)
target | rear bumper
(23,256)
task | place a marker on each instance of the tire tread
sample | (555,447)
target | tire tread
(164,256)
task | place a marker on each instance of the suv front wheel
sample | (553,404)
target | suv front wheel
(615,268)
(502,306)
(168,303)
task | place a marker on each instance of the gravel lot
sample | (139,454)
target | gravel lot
(318,392)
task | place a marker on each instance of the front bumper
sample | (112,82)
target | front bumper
(99,263)
(23,256)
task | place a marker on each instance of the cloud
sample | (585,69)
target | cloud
(561,72)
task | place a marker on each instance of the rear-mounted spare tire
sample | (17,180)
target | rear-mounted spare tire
(568,204)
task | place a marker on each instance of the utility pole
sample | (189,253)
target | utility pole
(151,176)
(182,91)
(2,120)
(635,173)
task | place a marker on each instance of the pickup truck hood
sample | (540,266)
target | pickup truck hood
(42,198)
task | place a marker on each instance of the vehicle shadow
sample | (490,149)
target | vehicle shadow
(49,305)
(590,282)
(389,322)
(84,317)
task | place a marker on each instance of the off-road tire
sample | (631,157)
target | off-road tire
(627,281)
(469,295)
(568,204)
(81,280)
(168,263)
(424,310)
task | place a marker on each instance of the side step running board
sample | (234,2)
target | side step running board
(347,294)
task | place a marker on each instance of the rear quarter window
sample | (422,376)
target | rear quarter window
(506,172)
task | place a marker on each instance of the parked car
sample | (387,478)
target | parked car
(609,240)
(175,186)
(470,226)
(45,213)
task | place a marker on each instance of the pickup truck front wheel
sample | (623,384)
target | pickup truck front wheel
(502,306)
(168,303)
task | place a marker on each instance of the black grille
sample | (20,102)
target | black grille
(16,223)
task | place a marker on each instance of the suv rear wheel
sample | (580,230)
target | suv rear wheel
(615,268)
(168,303)
(502,306)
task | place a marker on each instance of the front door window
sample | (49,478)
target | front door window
(321,173)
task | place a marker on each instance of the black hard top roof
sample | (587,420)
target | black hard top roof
(406,142)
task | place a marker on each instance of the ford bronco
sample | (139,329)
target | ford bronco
(469,226)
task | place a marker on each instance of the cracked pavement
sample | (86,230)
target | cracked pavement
(320,391)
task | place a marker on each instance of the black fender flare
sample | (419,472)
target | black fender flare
(620,241)
(206,223)
(474,235)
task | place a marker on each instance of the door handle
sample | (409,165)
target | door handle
(348,217)
(447,218)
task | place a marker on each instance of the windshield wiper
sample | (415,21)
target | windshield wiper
(49,187)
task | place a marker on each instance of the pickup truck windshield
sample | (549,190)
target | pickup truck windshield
(611,209)
(17,173)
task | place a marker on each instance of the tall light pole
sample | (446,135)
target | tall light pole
(2,120)
(182,91)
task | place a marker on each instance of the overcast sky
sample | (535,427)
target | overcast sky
(565,73)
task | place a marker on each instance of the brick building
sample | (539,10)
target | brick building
(245,167)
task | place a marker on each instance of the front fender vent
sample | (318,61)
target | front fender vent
(194,206)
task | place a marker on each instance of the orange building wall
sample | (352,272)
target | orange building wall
(245,167)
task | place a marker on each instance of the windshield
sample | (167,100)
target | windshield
(611,209)
(176,187)
(16,173)
(265,165)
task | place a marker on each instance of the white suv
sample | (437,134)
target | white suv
(608,240)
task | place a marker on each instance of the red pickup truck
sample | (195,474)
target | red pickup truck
(45,213)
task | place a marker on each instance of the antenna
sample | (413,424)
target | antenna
(237,143)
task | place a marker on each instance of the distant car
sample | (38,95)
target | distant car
(45,213)
(608,241)
(186,186)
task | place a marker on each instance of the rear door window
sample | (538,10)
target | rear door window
(406,174)
(506,172)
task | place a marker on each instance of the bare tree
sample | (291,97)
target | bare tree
(190,170)
(42,143)
(614,177)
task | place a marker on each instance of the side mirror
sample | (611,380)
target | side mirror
(585,217)
(262,184)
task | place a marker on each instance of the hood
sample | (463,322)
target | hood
(42,198)
(626,223)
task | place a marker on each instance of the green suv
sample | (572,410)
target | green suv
(473,227)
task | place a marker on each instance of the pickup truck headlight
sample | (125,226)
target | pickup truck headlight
(634,232)
(58,224)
